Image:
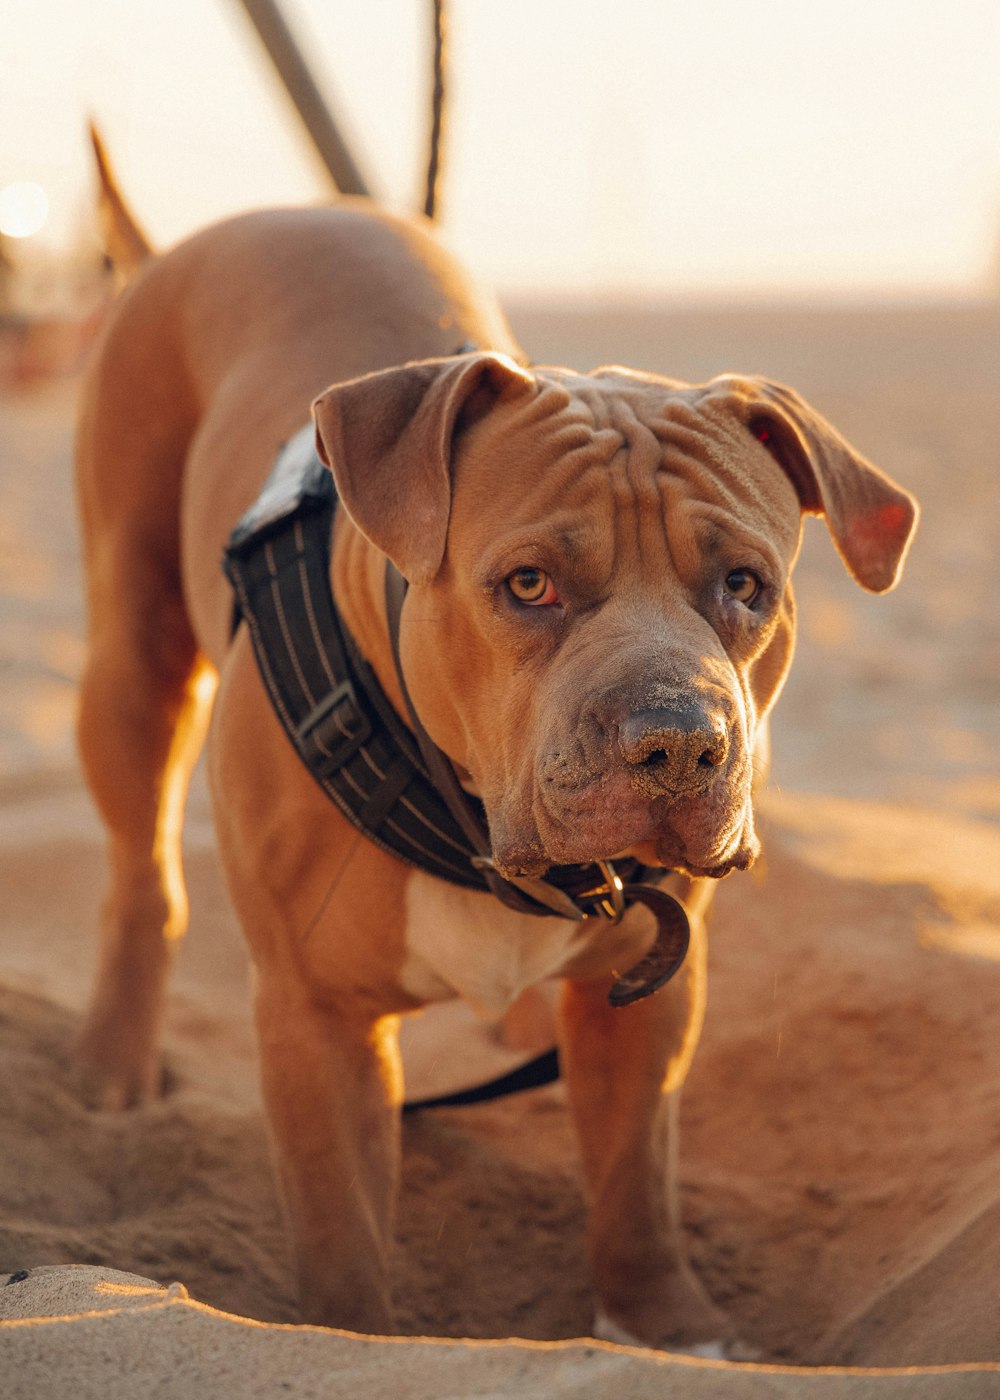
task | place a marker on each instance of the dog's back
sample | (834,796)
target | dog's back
(213,355)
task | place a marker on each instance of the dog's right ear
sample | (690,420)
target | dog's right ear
(870,517)
(387,438)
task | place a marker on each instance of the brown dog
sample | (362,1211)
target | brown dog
(598,621)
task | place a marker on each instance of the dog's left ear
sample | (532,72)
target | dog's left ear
(871,519)
(387,438)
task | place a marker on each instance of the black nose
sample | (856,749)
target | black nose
(676,751)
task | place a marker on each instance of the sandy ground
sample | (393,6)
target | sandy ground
(842,1121)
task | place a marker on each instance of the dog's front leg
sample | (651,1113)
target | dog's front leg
(319,909)
(331,1084)
(624,1068)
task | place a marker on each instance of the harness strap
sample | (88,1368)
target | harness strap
(277,561)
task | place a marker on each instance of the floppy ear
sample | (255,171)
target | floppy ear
(871,519)
(387,438)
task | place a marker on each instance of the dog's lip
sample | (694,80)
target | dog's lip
(739,860)
(741,857)
(606,820)
(647,833)
(538,869)
(663,854)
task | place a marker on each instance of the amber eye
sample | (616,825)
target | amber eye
(743,585)
(532,586)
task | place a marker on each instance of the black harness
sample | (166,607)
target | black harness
(394,785)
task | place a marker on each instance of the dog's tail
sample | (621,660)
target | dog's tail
(124,241)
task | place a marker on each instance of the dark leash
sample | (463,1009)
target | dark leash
(534,1074)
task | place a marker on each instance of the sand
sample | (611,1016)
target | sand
(841,1126)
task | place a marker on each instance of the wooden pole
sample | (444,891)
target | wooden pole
(437,111)
(301,86)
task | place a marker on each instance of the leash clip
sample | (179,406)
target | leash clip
(609,896)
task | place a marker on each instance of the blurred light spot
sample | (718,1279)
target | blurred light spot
(205,686)
(24,208)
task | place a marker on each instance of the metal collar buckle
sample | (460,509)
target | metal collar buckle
(609,896)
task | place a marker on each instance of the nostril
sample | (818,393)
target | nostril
(674,750)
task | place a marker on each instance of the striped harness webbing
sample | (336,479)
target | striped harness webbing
(328,700)
(354,744)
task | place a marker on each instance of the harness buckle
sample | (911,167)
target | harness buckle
(333,731)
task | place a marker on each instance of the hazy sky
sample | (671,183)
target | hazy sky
(594,145)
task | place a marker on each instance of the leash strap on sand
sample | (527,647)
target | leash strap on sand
(402,793)
(534,1074)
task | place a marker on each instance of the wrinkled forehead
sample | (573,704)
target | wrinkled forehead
(587,441)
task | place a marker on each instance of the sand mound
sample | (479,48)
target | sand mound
(108,1335)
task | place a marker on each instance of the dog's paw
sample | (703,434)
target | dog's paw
(715,1349)
(114,1087)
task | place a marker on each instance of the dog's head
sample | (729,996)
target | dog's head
(600,614)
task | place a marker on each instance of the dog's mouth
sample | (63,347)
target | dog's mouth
(670,855)
(706,837)
(537,864)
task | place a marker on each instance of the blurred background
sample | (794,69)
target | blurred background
(593,148)
(806,191)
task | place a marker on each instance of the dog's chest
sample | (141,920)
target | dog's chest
(461,943)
